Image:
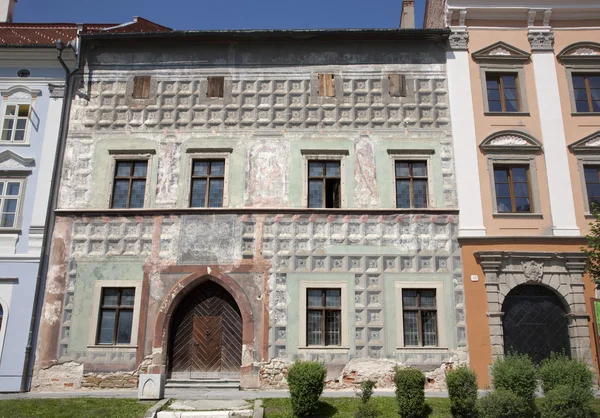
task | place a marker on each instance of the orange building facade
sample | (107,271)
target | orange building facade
(524,88)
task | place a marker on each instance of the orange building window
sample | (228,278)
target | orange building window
(503,92)
(513,194)
(586,89)
(592,185)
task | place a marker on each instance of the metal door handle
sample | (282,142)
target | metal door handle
(207,333)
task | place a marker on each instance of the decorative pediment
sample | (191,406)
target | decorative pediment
(511,141)
(501,51)
(581,52)
(20,93)
(10,161)
(588,145)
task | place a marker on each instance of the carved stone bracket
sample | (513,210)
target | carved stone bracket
(459,41)
(541,41)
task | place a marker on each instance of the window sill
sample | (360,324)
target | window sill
(506,114)
(10,231)
(329,348)
(423,349)
(10,144)
(589,216)
(102,347)
(585,113)
(518,215)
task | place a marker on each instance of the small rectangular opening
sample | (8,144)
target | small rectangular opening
(215,86)
(397,85)
(141,87)
(332,193)
(326,85)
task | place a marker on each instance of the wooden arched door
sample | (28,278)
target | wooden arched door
(206,335)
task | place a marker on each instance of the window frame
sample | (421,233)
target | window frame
(583,160)
(118,308)
(585,73)
(521,82)
(426,155)
(95,315)
(323,178)
(131,179)
(14,102)
(584,165)
(205,154)
(411,179)
(419,309)
(208,177)
(500,76)
(20,197)
(126,155)
(511,186)
(324,155)
(324,309)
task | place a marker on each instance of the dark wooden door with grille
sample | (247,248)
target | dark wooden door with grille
(535,323)
(206,335)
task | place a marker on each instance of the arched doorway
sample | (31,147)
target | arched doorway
(535,322)
(205,338)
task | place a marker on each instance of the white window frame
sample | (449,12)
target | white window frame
(324,155)
(414,156)
(302,309)
(442,343)
(6,289)
(206,154)
(98,286)
(20,197)
(141,155)
(12,142)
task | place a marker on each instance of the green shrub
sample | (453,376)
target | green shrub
(410,392)
(516,373)
(561,370)
(566,401)
(502,403)
(306,381)
(367,410)
(366,390)
(462,390)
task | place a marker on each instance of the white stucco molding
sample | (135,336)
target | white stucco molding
(11,161)
(581,53)
(459,40)
(20,92)
(501,52)
(587,145)
(541,41)
(510,141)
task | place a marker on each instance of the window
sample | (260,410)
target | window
(216,86)
(397,85)
(502,92)
(323,316)
(512,189)
(1,316)
(586,89)
(208,179)
(10,196)
(15,123)
(419,316)
(411,184)
(326,85)
(592,185)
(130,184)
(324,178)
(141,87)
(116,315)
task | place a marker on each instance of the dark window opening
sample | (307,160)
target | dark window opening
(323,317)
(326,85)
(141,87)
(129,190)
(586,89)
(419,312)
(216,86)
(411,184)
(324,184)
(115,320)
(513,193)
(23,73)
(592,185)
(397,85)
(503,92)
(208,183)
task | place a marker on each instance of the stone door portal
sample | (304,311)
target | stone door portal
(206,335)
(535,323)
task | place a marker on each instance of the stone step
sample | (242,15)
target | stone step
(205,414)
(203,383)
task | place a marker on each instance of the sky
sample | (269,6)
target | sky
(222,14)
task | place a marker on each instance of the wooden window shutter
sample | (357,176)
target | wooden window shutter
(397,85)
(215,86)
(141,87)
(326,85)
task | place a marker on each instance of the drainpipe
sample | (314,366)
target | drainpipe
(40,283)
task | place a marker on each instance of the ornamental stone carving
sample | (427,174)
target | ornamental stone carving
(541,41)
(533,271)
(508,140)
(459,41)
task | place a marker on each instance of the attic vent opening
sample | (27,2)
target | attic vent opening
(397,85)
(216,86)
(326,85)
(141,87)
(23,73)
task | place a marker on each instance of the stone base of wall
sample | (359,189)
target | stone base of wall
(110,380)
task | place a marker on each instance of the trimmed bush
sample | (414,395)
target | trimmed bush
(366,410)
(566,401)
(561,370)
(410,392)
(462,390)
(502,403)
(516,373)
(306,381)
(366,390)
